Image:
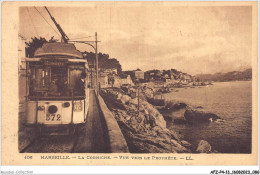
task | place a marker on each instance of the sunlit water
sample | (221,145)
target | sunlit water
(232,101)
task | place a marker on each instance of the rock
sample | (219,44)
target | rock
(119,96)
(178,106)
(125,99)
(178,114)
(146,112)
(174,142)
(140,118)
(204,147)
(179,121)
(127,117)
(165,136)
(156,128)
(147,126)
(141,107)
(174,111)
(159,120)
(153,133)
(219,121)
(185,143)
(178,147)
(155,118)
(174,135)
(147,118)
(147,92)
(134,101)
(198,116)
(133,121)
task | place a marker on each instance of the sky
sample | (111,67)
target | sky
(192,39)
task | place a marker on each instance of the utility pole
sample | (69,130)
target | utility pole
(138,90)
(95,47)
(97,85)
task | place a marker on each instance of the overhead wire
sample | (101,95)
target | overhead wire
(53,28)
(47,21)
(83,37)
(32,22)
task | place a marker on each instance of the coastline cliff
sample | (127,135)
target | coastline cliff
(146,131)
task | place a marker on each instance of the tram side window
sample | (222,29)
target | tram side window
(40,79)
(76,82)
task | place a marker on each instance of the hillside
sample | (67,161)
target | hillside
(229,76)
(161,75)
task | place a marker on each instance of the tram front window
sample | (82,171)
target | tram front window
(56,82)
(76,82)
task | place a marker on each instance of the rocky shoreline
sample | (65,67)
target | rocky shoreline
(146,131)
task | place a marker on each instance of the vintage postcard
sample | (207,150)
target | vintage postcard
(129,83)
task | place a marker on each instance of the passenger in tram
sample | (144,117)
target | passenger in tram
(80,85)
(65,88)
(53,89)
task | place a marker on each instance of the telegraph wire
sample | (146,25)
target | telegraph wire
(46,21)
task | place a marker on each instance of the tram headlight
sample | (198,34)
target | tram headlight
(66,104)
(52,109)
(77,106)
(41,108)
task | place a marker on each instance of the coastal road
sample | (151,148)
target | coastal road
(95,139)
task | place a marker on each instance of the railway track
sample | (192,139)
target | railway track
(52,144)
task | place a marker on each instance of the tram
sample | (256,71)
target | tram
(57,88)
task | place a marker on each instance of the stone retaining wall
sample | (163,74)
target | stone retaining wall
(117,141)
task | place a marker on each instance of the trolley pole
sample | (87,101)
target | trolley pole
(96,50)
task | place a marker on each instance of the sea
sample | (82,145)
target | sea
(232,101)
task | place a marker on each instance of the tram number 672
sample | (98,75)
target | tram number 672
(53,117)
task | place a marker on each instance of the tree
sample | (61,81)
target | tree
(36,43)
(104,62)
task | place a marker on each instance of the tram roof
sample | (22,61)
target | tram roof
(58,49)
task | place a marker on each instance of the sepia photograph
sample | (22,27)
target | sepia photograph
(141,78)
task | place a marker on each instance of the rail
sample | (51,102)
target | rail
(117,141)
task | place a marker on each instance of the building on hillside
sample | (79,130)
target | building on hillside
(117,81)
(110,71)
(187,78)
(194,78)
(103,81)
(159,73)
(139,74)
(168,80)
(127,80)
(166,76)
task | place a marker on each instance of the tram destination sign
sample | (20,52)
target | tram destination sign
(52,63)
